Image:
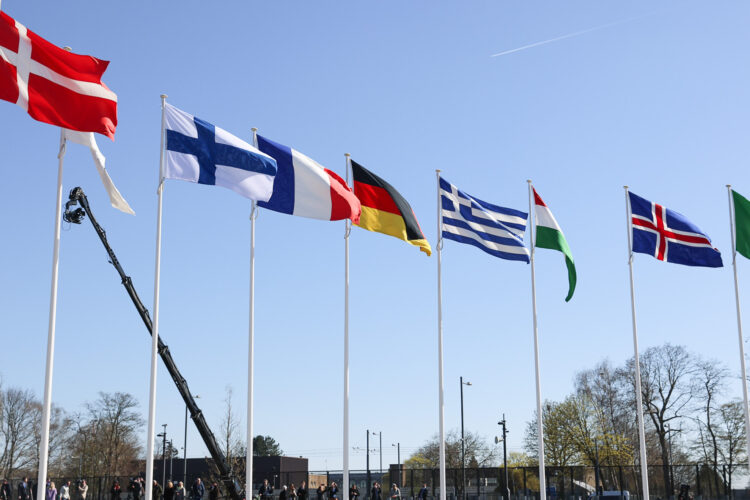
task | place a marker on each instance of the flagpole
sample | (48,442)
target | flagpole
(539,426)
(638,390)
(441,407)
(732,228)
(47,405)
(348,230)
(155,322)
(251,349)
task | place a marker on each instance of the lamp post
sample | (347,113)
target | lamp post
(380,446)
(463,450)
(184,447)
(505,456)
(596,469)
(163,437)
(671,462)
(369,486)
(171,456)
(398,456)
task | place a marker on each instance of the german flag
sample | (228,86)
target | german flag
(384,210)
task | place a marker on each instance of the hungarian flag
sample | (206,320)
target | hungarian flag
(741,223)
(53,85)
(384,210)
(549,235)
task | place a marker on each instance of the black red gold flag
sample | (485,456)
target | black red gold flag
(384,210)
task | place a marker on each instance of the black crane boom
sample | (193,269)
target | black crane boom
(225,469)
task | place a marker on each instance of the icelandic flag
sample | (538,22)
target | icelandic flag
(197,151)
(668,235)
(304,187)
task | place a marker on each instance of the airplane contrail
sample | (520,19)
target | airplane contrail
(569,35)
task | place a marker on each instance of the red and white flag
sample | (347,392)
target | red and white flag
(53,85)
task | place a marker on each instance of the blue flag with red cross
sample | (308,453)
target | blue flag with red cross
(668,235)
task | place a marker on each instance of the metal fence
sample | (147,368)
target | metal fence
(703,482)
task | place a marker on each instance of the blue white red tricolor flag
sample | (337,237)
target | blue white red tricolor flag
(669,235)
(305,188)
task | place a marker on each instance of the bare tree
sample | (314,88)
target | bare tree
(229,433)
(731,435)
(667,389)
(105,437)
(476,449)
(17,430)
(710,380)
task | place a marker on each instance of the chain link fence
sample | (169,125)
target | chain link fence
(675,482)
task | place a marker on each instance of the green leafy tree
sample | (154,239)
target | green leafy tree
(266,446)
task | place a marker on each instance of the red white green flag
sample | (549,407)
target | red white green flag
(549,235)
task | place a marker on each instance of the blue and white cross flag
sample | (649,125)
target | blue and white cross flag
(197,151)
(493,229)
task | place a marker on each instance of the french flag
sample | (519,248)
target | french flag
(305,188)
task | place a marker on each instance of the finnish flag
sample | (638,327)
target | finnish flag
(197,151)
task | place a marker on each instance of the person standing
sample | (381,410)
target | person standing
(395,492)
(375,491)
(353,492)
(5,490)
(197,490)
(180,493)
(83,489)
(169,491)
(51,491)
(116,490)
(423,493)
(156,491)
(320,492)
(302,490)
(265,491)
(24,492)
(333,490)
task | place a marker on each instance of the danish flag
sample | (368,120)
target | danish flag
(53,85)
(669,235)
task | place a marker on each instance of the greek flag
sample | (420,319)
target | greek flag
(495,230)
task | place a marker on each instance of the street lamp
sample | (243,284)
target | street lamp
(504,439)
(184,446)
(171,456)
(463,451)
(163,437)
(369,485)
(398,451)
(380,435)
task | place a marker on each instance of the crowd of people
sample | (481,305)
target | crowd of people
(328,492)
(136,490)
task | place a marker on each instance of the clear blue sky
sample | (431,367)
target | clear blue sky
(659,102)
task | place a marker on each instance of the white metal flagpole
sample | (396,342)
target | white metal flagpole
(441,407)
(732,224)
(155,326)
(47,405)
(637,359)
(348,230)
(539,426)
(251,349)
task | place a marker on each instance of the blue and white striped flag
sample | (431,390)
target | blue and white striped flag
(496,230)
